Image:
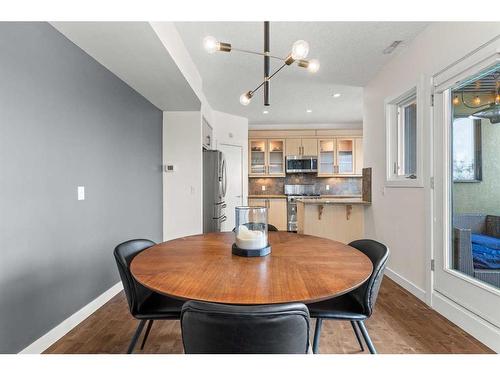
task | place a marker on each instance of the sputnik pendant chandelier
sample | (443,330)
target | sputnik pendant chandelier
(300,50)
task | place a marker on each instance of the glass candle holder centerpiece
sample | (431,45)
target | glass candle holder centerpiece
(251,237)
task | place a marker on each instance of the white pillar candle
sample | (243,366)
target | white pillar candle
(250,239)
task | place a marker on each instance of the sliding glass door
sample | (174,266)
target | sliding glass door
(466,203)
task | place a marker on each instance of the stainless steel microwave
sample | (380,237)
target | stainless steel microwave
(301,164)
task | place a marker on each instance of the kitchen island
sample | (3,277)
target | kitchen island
(336,218)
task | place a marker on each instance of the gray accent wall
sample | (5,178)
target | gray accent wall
(66,121)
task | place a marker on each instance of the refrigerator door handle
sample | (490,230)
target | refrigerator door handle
(224,176)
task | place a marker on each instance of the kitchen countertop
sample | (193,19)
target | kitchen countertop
(269,196)
(266,196)
(333,200)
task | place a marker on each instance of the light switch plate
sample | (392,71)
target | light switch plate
(263,187)
(81,193)
(327,187)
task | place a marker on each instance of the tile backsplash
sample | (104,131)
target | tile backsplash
(338,185)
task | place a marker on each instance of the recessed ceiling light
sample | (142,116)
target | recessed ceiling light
(336,95)
(309,110)
(265,112)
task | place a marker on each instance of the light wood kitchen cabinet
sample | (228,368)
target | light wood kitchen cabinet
(301,147)
(345,156)
(293,146)
(339,151)
(267,158)
(326,157)
(339,222)
(258,157)
(276,157)
(358,156)
(309,147)
(276,210)
(340,157)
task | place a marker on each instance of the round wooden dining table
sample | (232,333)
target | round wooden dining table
(300,268)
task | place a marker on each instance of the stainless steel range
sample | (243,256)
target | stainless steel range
(293,192)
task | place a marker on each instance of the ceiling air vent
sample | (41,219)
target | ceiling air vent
(390,49)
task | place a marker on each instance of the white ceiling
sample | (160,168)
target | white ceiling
(133,52)
(350,54)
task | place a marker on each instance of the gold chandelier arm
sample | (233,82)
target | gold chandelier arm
(257,53)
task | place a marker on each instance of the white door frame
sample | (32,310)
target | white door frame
(242,167)
(458,305)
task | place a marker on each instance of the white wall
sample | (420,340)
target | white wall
(233,130)
(182,137)
(182,189)
(171,39)
(398,216)
(182,147)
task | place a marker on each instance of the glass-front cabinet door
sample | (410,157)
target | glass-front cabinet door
(258,157)
(276,157)
(345,156)
(326,156)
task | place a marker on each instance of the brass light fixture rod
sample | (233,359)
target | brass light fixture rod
(257,53)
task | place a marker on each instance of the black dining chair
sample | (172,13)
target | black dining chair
(144,304)
(210,328)
(254,226)
(357,305)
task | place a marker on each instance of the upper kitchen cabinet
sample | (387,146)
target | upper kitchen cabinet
(267,158)
(293,146)
(301,147)
(258,157)
(309,147)
(345,156)
(276,157)
(340,157)
(326,157)
(358,156)
(339,151)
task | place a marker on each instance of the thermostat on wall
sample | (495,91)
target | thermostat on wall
(169,168)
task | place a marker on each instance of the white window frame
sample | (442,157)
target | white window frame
(391,129)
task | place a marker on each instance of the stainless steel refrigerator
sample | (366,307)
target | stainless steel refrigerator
(214,190)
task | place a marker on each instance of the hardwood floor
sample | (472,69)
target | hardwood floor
(400,324)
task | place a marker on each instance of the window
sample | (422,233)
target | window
(466,150)
(403,145)
(406,164)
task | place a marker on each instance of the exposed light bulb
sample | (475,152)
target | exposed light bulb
(246,98)
(308,110)
(456,101)
(300,49)
(210,44)
(477,100)
(313,66)
(337,95)
(265,112)
(497,99)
